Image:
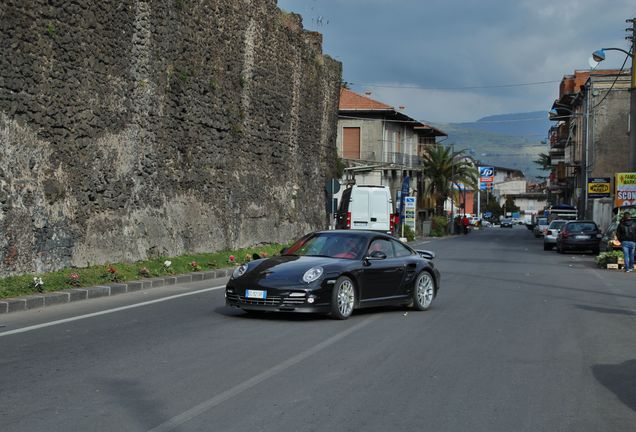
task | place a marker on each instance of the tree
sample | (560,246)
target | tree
(490,204)
(441,166)
(510,206)
(544,162)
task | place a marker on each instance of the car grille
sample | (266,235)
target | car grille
(269,301)
(294,301)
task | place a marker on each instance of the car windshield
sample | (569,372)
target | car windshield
(329,245)
(542,221)
(557,224)
(581,226)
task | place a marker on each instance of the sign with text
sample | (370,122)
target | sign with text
(486,174)
(404,192)
(625,189)
(599,187)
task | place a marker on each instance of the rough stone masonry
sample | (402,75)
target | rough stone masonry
(135,129)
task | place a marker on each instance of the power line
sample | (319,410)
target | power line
(418,87)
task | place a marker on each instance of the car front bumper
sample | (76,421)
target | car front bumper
(280,300)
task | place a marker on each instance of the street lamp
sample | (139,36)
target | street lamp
(599,56)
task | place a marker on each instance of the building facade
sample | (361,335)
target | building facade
(380,145)
(590,138)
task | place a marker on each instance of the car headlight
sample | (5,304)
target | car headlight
(312,274)
(239,271)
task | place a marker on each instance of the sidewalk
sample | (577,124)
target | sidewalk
(36,301)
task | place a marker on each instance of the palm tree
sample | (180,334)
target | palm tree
(544,162)
(441,166)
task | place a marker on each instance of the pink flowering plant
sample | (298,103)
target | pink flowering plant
(74,279)
(195,266)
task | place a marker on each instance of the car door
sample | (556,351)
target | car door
(381,278)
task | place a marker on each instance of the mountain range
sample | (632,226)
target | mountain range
(509,140)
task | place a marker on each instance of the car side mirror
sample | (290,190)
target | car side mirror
(376,255)
(426,254)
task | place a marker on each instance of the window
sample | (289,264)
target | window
(400,249)
(351,142)
(381,245)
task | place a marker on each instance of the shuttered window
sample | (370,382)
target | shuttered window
(351,143)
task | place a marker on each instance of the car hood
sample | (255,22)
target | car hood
(288,269)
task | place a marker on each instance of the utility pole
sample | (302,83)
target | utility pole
(632,100)
(452,146)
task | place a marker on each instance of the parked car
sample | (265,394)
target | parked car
(551,233)
(335,272)
(609,242)
(540,227)
(579,235)
(506,223)
(366,207)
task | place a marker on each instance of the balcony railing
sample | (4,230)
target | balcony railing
(402,159)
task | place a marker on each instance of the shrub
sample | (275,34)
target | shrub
(408,233)
(439,225)
(610,257)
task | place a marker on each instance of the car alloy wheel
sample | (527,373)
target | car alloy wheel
(343,298)
(424,291)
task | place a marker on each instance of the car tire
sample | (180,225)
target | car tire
(547,246)
(559,248)
(423,291)
(343,298)
(596,251)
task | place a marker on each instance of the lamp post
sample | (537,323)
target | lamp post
(599,56)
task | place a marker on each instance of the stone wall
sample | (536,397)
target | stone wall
(136,129)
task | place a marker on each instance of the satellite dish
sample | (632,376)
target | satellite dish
(593,63)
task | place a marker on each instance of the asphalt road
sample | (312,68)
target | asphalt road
(519,339)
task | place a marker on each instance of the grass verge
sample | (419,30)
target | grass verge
(17,286)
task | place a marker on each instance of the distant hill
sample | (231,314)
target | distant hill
(509,140)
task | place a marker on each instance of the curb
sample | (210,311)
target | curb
(37,301)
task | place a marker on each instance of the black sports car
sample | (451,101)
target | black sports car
(336,272)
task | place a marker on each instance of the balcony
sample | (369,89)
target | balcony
(398,159)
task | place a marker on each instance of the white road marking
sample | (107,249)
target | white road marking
(201,408)
(104,312)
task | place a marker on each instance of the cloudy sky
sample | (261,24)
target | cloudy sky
(460,60)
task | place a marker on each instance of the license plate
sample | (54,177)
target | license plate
(582,237)
(255,294)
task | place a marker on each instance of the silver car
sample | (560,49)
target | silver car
(551,233)
(540,227)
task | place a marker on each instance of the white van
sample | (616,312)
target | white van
(366,207)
